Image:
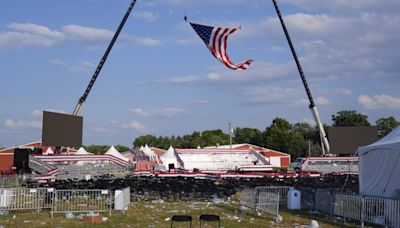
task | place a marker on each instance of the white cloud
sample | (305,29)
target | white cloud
(58,62)
(36,113)
(136,126)
(335,91)
(179,80)
(103,130)
(140,112)
(322,101)
(79,32)
(40,112)
(379,102)
(29,34)
(168,112)
(17,124)
(148,16)
(200,101)
(259,95)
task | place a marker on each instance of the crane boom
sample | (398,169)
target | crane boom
(324,141)
(96,73)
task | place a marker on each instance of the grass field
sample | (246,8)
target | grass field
(156,213)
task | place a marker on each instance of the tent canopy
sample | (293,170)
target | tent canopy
(379,165)
(82,151)
(114,152)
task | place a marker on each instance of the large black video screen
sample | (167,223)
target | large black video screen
(346,140)
(61,129)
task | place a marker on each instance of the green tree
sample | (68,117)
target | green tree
(121,148)
(248,135)
(386,125)
(277,135)
(213,138)
(350,118)
(150,140)
(97,149)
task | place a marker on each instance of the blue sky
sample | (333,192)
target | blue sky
(160,79)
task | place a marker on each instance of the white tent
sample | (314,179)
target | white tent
(82,151)
(379,165)
(49,151)
(169,158)
(114,152)
(149,152)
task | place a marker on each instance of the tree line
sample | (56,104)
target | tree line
(293,138)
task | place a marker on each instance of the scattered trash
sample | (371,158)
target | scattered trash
(4,212)
(69,215)
(158,201)
(91,213)
(80,217)
(27,221)
(105,219)
(167,219)
(14,216)
(278,219)
(314,224)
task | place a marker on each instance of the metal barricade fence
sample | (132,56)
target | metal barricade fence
(381,211)
(348,206)
(82,201)
(18,199)
(13,181)
(282,191)
(268,202)
(374,210)
(248,198)
(324,201)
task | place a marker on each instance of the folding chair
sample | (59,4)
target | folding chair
(210,218)
(181,218)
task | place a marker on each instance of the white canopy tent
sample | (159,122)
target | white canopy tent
(149,152)
(48,151)
(114,152)
(379,165)
(169,158)
(82,151)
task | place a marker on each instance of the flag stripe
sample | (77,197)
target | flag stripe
(216,39)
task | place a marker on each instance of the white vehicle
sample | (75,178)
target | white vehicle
(298,163)
(326,164)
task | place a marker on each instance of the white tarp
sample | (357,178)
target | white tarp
(114,152)
(380,167)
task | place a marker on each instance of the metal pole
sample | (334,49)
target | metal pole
(102,61)
(312,106)
(230,136)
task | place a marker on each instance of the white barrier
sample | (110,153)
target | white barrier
(375,210)
(22,199)
(81,201)
(122,199)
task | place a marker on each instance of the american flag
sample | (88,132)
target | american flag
(216,39)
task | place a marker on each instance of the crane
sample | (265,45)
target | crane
(96,73)
(324,140)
